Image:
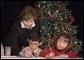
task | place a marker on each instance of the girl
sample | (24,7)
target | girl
(61,48)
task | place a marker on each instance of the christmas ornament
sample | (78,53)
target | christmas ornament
(71,18)
(39,5)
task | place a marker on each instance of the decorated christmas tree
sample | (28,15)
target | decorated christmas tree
(55,19)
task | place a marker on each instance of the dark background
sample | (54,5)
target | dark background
(10,11)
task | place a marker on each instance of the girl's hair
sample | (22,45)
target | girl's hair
(65,36)
(28,12)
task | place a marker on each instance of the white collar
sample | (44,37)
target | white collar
(23,26)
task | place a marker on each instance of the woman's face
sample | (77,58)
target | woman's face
(28,23)
(62,43)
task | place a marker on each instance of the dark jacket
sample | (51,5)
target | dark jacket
(18,36)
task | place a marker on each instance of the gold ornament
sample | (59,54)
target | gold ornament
(76,42)
(61,19)
(39,5)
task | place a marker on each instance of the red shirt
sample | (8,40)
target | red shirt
(71,54)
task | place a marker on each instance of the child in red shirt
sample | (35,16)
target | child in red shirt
(61,48)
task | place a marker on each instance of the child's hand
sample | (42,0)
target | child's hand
(26,53)
(37,52)
(50,55)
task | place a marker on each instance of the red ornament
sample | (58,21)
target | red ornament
(72,18)
(65,26)
(59,8)
(53,16)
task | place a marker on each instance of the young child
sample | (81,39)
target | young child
(33,48)
(61,48)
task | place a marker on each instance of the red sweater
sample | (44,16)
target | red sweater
(71,54)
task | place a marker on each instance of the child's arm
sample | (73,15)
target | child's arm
(26,53)
(44,52)
(37,52)
(22,53)
(47,53)
(72,54)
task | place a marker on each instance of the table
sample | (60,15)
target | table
(17,57)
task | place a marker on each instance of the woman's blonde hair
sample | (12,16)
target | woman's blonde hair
(28,12)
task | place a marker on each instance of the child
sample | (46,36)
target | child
(60,50)
(20,31)
(33,48)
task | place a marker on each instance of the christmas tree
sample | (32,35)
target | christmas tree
(55,19)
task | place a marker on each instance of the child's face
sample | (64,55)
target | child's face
(28,23)
(34,44)
(62,43)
